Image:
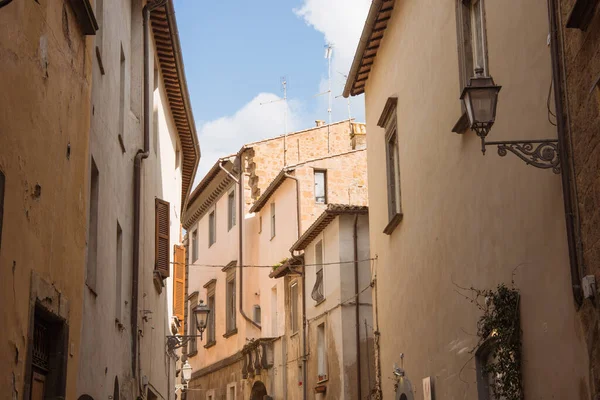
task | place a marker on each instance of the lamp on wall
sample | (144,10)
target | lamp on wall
(480,98)
(201,312)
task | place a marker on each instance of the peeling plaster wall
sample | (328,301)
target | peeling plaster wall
(44,108)
(468,219)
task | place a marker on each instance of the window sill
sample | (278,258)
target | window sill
(192,353)
(294,334)
(210,344)
(322,379)
(230,333)
(393,224)
(319,302)
(99,58)
(462,125)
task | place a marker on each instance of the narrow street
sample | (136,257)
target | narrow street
(300,199)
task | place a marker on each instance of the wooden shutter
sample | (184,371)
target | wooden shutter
(162,244)
(179,286)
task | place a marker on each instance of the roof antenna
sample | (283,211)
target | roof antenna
(328,52)
(285,129)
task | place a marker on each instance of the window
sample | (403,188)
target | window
(192,344)
(317,292)
(212,229)
(257,314)
(119,272)
(272,220)
(472,51)
(162,237)
(210,329)
(230,296)
(92,249)
(1,204)
(48,343)
(294,307)
(135,58)
(321,353)
(320,186)
(260,224)
(274,319)
(194,245)
(121,114)
(483,357)
(231,210)
(231,391)
(388,122)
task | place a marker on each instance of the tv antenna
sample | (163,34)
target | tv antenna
(285,130)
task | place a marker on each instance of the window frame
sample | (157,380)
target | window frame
(192,344)
(466,44)
(322,366)
(273,220)
(231,210)
(388,121)
(294,325)
(195,245)
(319,269)
(230,301)
(211,326)
(324,173)
(212,227)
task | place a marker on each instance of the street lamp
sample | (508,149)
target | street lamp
(186,371)
(480,98)
(201,312)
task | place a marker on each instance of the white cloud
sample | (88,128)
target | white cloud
(341,22)
(252,122)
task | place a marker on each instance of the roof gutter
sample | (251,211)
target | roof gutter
(362,45)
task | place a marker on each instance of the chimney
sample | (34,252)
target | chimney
(358,135)
(319,122)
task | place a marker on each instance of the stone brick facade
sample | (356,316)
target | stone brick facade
(581,74)
(265,159)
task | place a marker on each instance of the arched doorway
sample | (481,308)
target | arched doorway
(259,391)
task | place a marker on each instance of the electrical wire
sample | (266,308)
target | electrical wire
(269,266)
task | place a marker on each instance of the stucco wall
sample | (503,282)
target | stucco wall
(44,109)
(468,220)
(106,342)
(581,63)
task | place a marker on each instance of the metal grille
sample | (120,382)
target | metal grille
(41,350)
(317,292)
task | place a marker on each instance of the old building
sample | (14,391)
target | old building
(245,355)
(448,225)
(576,34)
(45,59)
(333,296)
(142,161)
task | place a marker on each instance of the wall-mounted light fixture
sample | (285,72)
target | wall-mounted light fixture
(201,312)
(480,98)
(186,371)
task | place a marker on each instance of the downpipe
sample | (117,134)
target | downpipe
(357,310)
(565,162)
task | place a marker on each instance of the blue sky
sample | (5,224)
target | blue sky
(235,53)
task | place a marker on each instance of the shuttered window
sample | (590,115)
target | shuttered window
(162,245)
(179,285)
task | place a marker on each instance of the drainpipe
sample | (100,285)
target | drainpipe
(240,183)
(564,162)
(137,178)
(357,310)
(298,218)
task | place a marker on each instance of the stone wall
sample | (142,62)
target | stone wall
(581,56)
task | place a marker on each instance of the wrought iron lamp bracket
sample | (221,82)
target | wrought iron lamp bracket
(543,153)
(178,341)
